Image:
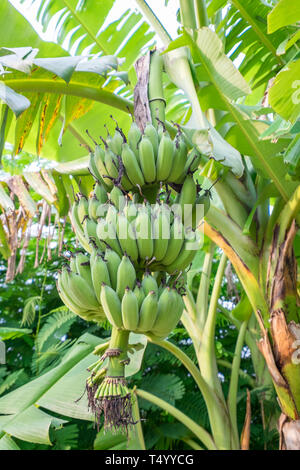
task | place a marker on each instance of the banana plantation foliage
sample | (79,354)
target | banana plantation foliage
(149,225)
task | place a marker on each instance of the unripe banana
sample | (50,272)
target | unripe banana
(83,268)
(148,312)
(90,227)
(175,243)
(126,276)
(130,310)
(185,256)
(179,161)
(132,167)
(192,161)
(93,168)
(117,198)
(78,228)
(113,261)
(161,328)
(139,293)
(165,158)
(143,231)
(115,143)
(82,292)
(100,193)
(82,209)
(166,304)
(147,160)
(111,163)
(161,234)
(100,274)
(149,284)
(126,237)
(99,158)
(134,136)
(106,233)
(152,135)
(70,303)
(93,204)
(111,305)
(187,199)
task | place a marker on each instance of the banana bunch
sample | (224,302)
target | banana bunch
(76,289)
(140,306)
(143,159)
(151,235)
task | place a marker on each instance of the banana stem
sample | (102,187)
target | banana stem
(197,430)
(203,291)
(200,13)
(233,387)
(116,364)
(156,98)
(206,356)
(150,16)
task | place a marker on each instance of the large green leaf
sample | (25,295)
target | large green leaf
(284,95)
(21,418)
(13,333)
(286,12)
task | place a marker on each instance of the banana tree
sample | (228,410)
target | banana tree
(254,212)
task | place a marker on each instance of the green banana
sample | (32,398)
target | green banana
(161,234)
(163,328)
(139,293)
(149,283)
(126,276)
(166,304)
(115,143)
(99,158)
(100,193)
(111,305)
(106,233)
(117,198)
(165,157)
(175,243)
(82,209)
(93,204)
(132,167)
(148,312)
(143,231)
(147,160)
(152,135)
(111,163)
(134,136)
(179,160)
(126,237)
(100,274)
(185,256)
(187,199)
(78,228)
(130,310)
(82,262)
(82,292)
(113,261)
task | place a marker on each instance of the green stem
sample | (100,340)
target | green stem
(187,14)
(200,13)
(136,418)
(233,387)
(207,357)
(161,32)
(215,407)
(192,444)
(203,291)
(156,98)
(116,365)
(74,89)
(197,430)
